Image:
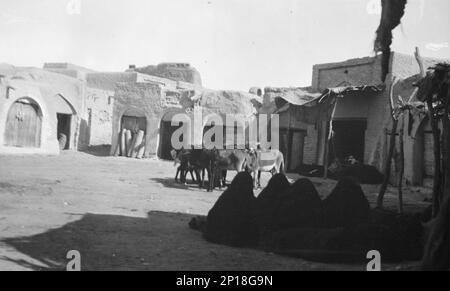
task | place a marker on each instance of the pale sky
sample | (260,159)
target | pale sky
(235,44)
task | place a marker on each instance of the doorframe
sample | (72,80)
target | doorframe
(290,139)
(163,115)
(69,126)
(48,146)
(362,119)
(74,124)
(4,121)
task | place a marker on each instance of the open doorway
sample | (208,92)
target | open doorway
(348,139)
(166,131)
(65,127)
(133,135)
(134,123)
(63,131)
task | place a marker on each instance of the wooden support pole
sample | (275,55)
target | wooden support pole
(446,143)
(402,168)
(326,151)
(329,134)
(289,138)
(437,175)
(437,158)
(387,168)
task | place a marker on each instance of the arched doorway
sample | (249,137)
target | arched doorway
(133,131)
(24,124)
(166,130)
(65,117)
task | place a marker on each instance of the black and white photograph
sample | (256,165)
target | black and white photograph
(216,136)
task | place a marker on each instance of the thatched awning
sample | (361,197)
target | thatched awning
(304,97)
(295,96)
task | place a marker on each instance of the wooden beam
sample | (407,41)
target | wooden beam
(387,169)
(329,132)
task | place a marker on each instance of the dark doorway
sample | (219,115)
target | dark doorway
(291,146)
(348,139)
(166,131)
(23,124)
(63,131)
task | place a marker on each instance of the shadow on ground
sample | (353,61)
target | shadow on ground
(161,241)
(170,183)
(108,242)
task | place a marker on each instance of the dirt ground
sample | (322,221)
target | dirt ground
(126,214)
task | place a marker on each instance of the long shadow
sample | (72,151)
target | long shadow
(170,183)
(106,242)
(160,241)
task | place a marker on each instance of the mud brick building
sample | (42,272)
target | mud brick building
(150,104)
(360,119)
(91,108)
(37,107)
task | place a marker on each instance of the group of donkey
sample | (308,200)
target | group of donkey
(215,163)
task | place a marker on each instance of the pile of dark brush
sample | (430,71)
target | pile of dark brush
(293,220)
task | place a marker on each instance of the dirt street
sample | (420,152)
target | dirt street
(125,214)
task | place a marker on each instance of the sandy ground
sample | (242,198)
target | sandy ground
(125,214)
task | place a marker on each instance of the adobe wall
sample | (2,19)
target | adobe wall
(173,71)
(99,105)
(143,99)
(48,143)
(356,72)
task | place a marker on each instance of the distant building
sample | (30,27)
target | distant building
(360,121)
(183,72)
(95,120)
(150,105)
(37,108)
(64,106)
